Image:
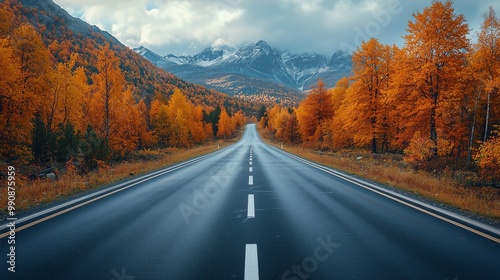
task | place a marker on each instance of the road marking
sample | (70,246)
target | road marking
(251,262)
(391,196)
(250,169)
(250,180)
(250,163)
(251,206)
(97,195)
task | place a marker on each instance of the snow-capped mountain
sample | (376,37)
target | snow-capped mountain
(257,62)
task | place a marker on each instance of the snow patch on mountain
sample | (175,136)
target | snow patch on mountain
(256,61)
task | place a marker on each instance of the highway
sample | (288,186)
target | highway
(249,211)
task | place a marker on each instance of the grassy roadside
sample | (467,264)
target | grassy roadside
(390,170)
(30,194)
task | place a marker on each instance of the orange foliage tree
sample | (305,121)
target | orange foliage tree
(24,86)
(367,97)
(225,125)
(114,115)
(487,65)
(488,156)
(314,113)
(178,123)
(339,136)
(180,114)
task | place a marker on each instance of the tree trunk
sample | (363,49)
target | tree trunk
(487,118)
(473,128)
(433,130)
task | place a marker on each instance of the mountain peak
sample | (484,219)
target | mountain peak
(262,44)
(259,61)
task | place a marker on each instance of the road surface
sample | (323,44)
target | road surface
(249,211)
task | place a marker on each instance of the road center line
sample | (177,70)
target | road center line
(251,206)
(250,169)
(251,262)
(250,163)
(250,180)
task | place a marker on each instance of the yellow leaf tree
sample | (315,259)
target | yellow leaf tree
(225,125)
(180,114)
(112,107)
(487,65)
(367,95)
(434,52)
(314,113)
(24,86)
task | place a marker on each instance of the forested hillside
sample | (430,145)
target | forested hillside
(68,89)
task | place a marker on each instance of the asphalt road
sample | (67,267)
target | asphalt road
(250,211)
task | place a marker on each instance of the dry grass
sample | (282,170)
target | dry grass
(390,170)
(33,193)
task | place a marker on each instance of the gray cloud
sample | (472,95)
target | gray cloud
(323,26)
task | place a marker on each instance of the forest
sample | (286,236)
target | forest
(435,100)
(65,96)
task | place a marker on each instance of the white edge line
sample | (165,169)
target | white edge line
(251,206)
(251,262)
(97,195)
(415,204)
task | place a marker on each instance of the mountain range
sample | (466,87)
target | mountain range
(254,68)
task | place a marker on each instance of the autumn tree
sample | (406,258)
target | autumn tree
(313,114)
(25,66)
(213,119)
(488,157)
(338,135)
(107,90)
(11,111)
(338,92)
(427,67)
(486,61)
(62,103)
(197,130)
(112,105)
(160,122)
(128,124)
(239,119)
(146,138)
(225,126)
(180,114)
(273,119)
(289,129)
(367,96)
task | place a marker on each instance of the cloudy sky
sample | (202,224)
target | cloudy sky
(322,26)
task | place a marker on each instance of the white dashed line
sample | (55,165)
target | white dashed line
(250,180)
(250,163)
(251,206)
(250,169)
(251,262)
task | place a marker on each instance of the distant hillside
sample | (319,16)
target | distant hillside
(255,68)
(64,34)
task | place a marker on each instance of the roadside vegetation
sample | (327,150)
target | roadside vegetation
(459,189)
(424,117)
(31,193)
(77,113)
